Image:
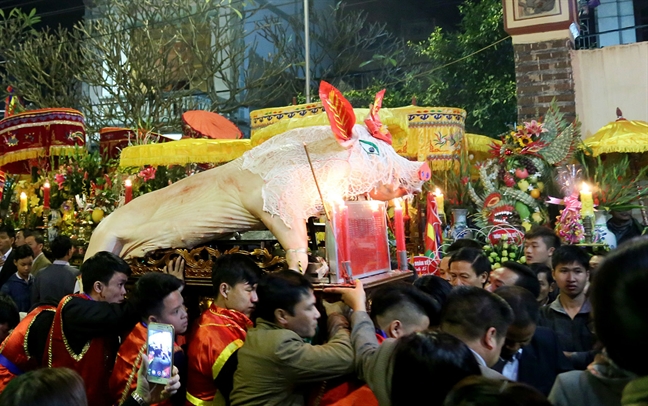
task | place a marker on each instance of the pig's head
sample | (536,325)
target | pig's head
(349,161)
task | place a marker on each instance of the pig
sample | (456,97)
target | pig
(270,186)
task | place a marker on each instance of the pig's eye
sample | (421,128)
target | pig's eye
(370,148)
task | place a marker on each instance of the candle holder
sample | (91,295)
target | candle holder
(588,227)
(46,213)
(402,260)
(349,273)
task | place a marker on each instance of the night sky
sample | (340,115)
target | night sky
(412,19)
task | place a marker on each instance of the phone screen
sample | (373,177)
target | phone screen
(160,352)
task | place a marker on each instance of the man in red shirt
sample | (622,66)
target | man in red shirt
(159,299)
(221,330)
(86,327)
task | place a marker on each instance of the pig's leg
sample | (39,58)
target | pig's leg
(103,240)
(294,240)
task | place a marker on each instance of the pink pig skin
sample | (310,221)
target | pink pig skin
(218,202)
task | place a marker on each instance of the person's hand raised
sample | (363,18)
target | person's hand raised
(355,298)
(155,393)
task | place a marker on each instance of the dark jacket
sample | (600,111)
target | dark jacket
(9,268)
(20,291)
(54,282)
(541,361)
(576,336)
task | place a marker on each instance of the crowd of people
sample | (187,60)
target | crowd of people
(555,331)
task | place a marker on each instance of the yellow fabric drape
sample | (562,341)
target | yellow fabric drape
(182,152)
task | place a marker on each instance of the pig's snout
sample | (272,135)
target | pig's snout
(424,172)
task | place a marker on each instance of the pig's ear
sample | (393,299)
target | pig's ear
(339,112)
(375,127)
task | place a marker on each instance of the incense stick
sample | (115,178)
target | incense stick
(310,163)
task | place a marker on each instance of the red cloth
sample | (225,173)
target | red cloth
(14,348)
(215,336)
(123,380)
(358,396)
(94,363)
(39,134)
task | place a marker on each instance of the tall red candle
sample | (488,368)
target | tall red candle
(342,233)
(128,195)
(46,195)
(399,226)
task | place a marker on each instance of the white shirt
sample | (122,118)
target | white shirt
(511,368)
(478,357)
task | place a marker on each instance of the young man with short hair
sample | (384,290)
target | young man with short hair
(400,309)
(469,267)
(85,332)
(36,242)
(158,298)
(480,319)
(220,331)
(58,279)
(7,267)
(275,363)
(539,245)
(547,283)
(531,354)
(19,285)
(569,315)
(514,274)
(444,265)
(20,238)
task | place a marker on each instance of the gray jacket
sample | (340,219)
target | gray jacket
(53,283)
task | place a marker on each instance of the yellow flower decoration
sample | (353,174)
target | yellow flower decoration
(34,201)
(524,140)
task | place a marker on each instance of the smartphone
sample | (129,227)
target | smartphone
(159,349)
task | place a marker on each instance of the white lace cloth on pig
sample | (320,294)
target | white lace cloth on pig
(290,191)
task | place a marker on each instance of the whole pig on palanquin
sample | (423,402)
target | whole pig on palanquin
(270,185)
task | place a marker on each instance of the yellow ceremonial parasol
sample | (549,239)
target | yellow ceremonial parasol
(620,136)
(190,150)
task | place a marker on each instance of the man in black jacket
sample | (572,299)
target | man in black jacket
(7,266)
(530,355)
(569,316)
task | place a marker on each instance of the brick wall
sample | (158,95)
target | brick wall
(543,71)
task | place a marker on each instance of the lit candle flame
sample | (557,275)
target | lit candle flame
(128,182)
(437,191)
(585,187)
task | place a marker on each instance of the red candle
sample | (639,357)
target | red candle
(399,226)
(342,236)
(128,195)
(46,195)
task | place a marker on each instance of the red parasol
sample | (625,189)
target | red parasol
(205,124)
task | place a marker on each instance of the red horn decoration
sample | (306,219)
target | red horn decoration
(339,111)
(375,127)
